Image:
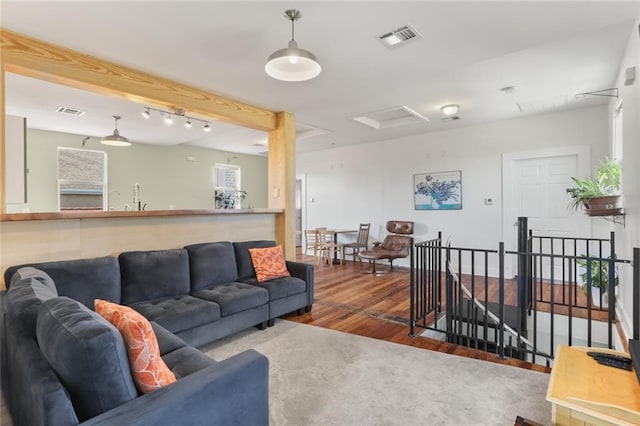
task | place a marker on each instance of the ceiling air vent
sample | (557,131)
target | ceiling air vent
(398,116)
(451,118)
(399,37)
(70,111)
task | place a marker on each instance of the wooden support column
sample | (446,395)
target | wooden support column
(282,180)
(3,178)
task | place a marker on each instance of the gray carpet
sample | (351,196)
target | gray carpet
(325,377)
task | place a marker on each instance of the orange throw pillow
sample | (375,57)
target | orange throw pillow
(269,263)
(149,370)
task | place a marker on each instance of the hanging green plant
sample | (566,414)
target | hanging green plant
(598,194)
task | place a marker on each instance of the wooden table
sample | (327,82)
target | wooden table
(584,392)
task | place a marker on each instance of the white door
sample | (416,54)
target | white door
(536,188)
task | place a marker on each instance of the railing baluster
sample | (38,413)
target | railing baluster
(535,311)
(570,308)
(588,301)
(486,300)
(552,301)
(612,289)
(501,298)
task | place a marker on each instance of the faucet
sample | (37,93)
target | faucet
(136,196)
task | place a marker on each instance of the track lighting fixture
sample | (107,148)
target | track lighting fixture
(178,112)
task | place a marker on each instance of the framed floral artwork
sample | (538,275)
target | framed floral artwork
(438,191)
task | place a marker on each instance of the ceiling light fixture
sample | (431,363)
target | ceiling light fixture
(450,109)
(292,63)
(178,112)
(115,139)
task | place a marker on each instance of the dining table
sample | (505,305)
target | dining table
(335,233)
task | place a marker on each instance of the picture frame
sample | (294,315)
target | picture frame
(438,190)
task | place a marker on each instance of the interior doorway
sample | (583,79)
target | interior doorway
(535,186)
(298,212)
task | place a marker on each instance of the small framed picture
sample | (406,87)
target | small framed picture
(438,190)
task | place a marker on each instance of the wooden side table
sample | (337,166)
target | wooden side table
(583,392)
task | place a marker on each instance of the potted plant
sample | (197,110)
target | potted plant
(599,279)
(599,195)
(229,198)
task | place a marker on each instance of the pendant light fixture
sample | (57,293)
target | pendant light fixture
(292,63)
(115,139)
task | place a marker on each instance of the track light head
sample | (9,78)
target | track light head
(207,127)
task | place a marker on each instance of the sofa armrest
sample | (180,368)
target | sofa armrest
(232,392)
(304,271)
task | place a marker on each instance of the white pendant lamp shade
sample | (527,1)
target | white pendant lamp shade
(115,139)
(292,63)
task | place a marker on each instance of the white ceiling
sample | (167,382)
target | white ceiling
(548,50)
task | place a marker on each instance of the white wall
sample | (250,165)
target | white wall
(630,96)
(374,182)
(165,175)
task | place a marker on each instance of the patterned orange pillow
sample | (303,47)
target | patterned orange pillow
(269,263)
(149,370)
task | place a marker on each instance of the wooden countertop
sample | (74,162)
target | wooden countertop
(579,383)
(93,214)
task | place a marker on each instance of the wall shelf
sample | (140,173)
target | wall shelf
(617,216)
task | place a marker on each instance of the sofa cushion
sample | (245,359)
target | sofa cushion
(148,275)
(167,341)
(268,263)
(187,360)
(88,355)
(149,371)
(179,313)
(281,287)
(83,280)
(234,297)
(211,264)
(243,258)
(28,289)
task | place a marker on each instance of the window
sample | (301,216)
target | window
(617,133)
(82,179)
(228,193)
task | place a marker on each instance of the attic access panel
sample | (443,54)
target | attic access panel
(392,117)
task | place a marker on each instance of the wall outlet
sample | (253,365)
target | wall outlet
(488,201)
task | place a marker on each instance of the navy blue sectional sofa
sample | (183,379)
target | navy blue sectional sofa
(65,365)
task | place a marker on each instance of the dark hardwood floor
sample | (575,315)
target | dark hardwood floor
(349,300)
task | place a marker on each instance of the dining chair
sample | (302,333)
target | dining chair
(318,251)
(328,247)
(361,243)
(311,242)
